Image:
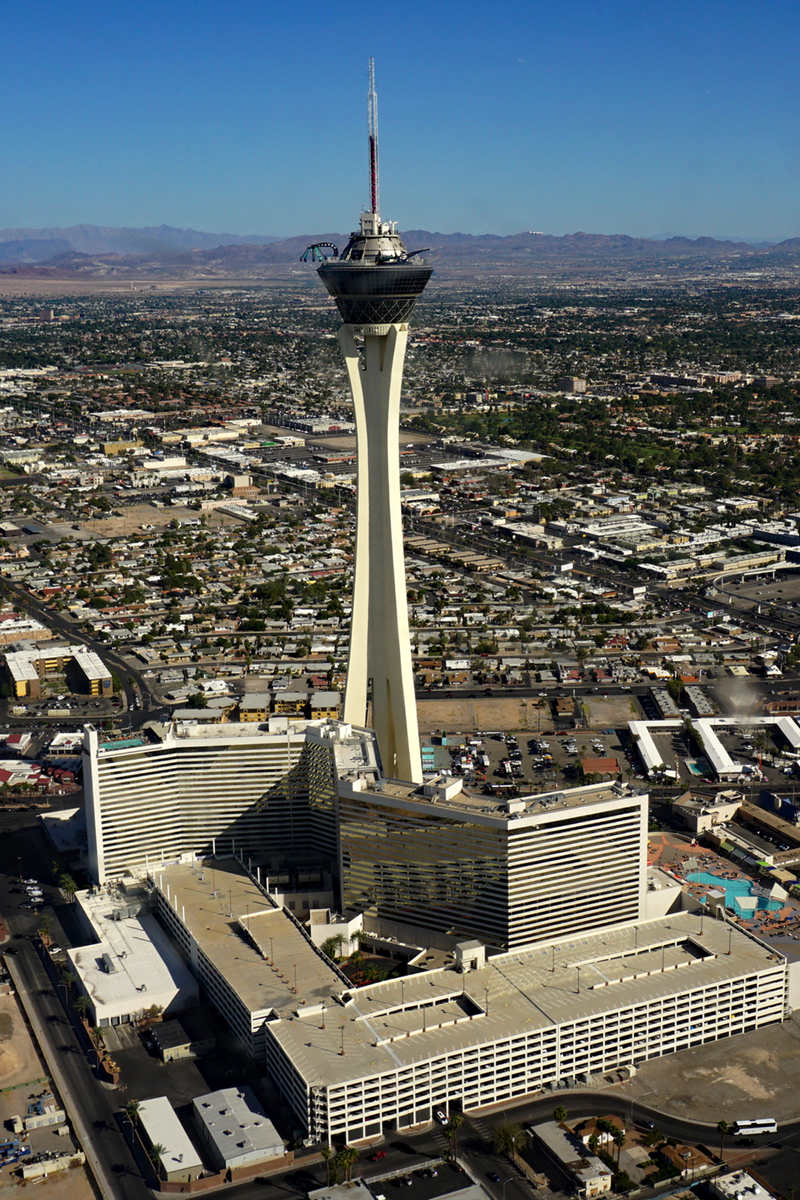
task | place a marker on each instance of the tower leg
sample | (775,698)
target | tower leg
(380,645)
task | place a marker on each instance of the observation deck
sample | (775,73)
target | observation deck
(375,281)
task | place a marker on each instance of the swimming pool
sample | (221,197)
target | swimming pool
(733,889)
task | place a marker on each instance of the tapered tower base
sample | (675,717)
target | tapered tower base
(380,646)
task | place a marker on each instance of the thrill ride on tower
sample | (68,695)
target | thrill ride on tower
(375,283)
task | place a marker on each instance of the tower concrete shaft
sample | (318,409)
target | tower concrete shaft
(380,646)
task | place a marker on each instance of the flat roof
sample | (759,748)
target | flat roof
(236,1123)
(146,964)
(570,1151)
(160,1123)
(393,1024)
(239,928)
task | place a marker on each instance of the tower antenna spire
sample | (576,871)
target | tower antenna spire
(372,110)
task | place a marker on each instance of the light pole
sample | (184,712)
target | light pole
(649,1092)
(505,1182)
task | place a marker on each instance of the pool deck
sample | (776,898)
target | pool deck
(672,851)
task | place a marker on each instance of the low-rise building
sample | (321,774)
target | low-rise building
(132,965)
(735,1185)
(255,706)
(159,1125)
(587,1175)
(324,706)
(235,1129)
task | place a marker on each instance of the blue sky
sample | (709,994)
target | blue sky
(249,116)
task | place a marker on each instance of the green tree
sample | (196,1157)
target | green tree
(327,1154)
(67,979)
(68,886)
(345,1160)
(453,1126)
(506,1136)
(81,1005)
(131,1111)
(154,1154)
(559,1114)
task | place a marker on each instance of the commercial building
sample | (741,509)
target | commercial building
(235,1129)
(738,1185)
(587,1174)
(130,964)
(158,1122)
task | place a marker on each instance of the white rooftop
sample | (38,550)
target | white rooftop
(145,967)
(160,1123)
(236,1124)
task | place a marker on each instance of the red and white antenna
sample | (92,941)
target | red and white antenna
(372,110)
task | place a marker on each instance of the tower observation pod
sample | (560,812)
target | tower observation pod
(375,283)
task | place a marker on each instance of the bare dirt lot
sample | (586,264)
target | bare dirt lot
(751,1075)
(467,715)
(612,712)
(19,1060)
(22,1076)
(136,517)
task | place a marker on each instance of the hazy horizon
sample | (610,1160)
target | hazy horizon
(578,117)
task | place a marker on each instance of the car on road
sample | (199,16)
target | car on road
(378,1154)
(495,1178)
(440,1116)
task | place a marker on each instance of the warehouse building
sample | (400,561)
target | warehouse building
(177,1158)
(235,1129)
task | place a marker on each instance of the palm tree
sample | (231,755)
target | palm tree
(594,1142)
(67,980)
(453,1125)
(619,1139)
(154,1154)
(559,1114)
(81,1005)
(132,1112)
(345,1159)
(68,886)
(327,1154)
(505,1135)
(722,1128)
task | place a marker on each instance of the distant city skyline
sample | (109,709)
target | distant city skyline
(244,118)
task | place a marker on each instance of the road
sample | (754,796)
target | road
(91,1108)
(55,620)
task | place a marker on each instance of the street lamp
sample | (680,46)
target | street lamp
(649,1092)
(506,1181)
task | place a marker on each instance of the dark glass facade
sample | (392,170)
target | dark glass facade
(375,295)
(508,883)
(420,869)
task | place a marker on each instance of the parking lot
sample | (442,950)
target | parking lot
(528,759)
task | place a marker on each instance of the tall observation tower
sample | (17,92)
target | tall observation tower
(375,283)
